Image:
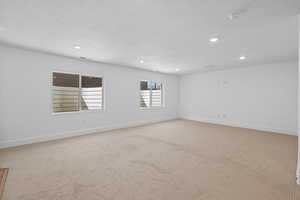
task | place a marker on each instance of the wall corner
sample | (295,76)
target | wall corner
(298,163)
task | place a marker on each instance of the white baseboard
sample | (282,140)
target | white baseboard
(13,143)
(242,125)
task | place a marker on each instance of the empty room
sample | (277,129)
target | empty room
(149,100)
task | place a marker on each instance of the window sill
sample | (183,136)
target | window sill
(152,108)
(78,112)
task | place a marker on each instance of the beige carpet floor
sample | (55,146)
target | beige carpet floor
(174,160)
(3,176)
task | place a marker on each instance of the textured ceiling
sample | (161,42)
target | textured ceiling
(166,34)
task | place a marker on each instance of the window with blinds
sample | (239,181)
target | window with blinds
(150,94)
(72,92)
(91,93)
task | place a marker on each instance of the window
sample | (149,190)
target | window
(150,94)
(66,92)
(72,92)
(91,93)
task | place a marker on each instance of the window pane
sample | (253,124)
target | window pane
(144,85)
(156,86)
(144,94)
(156,97)
(91,93)
(151,85)
(65,92)
(65,80)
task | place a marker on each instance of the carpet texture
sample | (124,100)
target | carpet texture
(3,176)
(172,160)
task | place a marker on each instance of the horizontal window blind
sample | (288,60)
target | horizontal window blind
(91,98)
(145,94)
(156,98)
(91,93)
(65,92)
(65,99)
(145,98)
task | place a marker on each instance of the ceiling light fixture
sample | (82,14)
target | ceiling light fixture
(141,61)
(177,69)
(233,16)
(242,57)
(76,46)
(214,39)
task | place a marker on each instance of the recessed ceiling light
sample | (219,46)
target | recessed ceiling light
(242,57)
(177,69)
(141,61)
(76,46)
(232,16)
(214,39)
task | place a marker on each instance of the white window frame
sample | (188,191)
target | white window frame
(80,111)
(162,96)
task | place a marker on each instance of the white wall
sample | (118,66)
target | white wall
(25,97)
(261,97)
